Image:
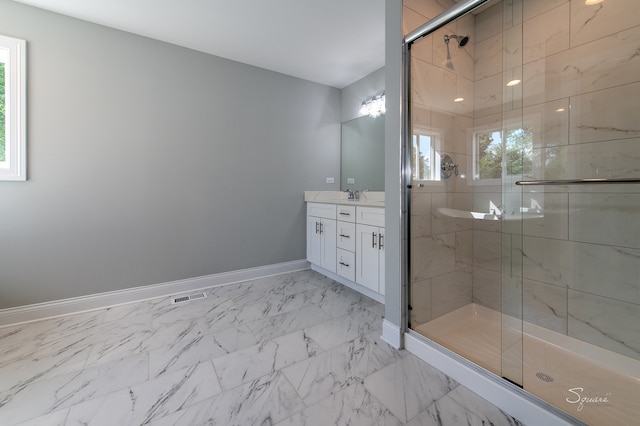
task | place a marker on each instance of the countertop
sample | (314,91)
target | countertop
(367,198)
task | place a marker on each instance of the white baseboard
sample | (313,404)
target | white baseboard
(509,398)
(56,308)
(391,334)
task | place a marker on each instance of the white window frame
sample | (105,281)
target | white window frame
(529,122)
(436,141)
(477,180)
(13,54)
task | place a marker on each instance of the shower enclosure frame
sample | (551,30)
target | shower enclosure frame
(507,396)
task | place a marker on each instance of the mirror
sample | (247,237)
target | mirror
(362,156)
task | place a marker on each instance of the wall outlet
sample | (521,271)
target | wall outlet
(330,180)
(351,181)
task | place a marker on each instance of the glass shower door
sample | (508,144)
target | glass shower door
(456,238)
(515,263)
(580,207)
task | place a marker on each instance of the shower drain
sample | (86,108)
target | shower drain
(544,377)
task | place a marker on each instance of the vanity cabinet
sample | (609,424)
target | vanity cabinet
(354,254)
(321,235)
(370,249)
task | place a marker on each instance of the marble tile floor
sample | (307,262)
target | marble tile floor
(293,349)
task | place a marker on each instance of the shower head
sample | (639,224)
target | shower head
(462,40)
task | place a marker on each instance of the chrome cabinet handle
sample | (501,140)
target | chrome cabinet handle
(345,236)
(321,227)
(373,239)
(346,265)
(317,227)
(380,241)
(345,213)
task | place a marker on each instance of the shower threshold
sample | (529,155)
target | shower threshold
(593,384)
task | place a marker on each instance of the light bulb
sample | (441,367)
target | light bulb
(364,110)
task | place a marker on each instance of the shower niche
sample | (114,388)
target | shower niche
(524,252)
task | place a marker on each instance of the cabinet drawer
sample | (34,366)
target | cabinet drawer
(370,216)
(327,211)
(346,235)
(347,213)
(346,262)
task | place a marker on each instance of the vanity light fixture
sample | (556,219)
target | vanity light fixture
(458,100)
(374,107)
(513,83)
(592,2)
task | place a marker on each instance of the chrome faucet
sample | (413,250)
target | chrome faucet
(351,195)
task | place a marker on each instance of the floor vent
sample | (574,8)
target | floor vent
(182,299)
(544,377)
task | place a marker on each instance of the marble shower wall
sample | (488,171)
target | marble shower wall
(575,269)
(581,93)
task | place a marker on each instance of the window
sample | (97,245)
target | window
(13,164)
(499,154)
(487,155)
(425,155)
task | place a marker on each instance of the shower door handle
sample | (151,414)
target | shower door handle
(590,181)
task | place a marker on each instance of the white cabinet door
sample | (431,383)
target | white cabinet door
(367,256)
(370,266)
(328,238)
(314,240)
(381,263)
(321,242)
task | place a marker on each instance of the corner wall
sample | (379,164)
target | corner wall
(395,299)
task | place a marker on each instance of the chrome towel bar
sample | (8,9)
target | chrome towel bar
(591,181)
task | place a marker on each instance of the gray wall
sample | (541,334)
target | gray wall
(395,297)
(355,93)
(150,163)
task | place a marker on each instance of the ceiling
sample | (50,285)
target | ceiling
(332,42)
